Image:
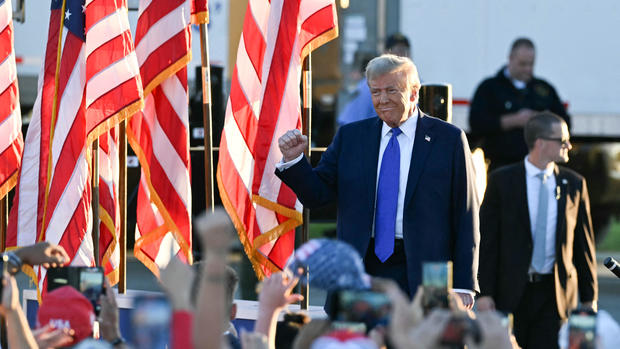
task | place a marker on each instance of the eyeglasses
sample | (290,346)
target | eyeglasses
(563,142)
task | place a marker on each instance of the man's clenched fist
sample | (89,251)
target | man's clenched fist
(292,144)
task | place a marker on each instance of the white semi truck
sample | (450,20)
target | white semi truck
(455,42)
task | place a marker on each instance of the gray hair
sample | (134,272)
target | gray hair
(389,63)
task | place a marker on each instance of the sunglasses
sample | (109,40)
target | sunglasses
(564,142)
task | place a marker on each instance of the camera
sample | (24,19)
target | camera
(150,322)
(459,327)
(582,329)
(87,280)
(352,309)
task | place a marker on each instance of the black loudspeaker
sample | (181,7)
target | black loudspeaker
(217,107)
(436,100)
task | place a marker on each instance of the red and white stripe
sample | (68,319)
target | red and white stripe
(159,134)
(109,208)
(98,85)
(11,141)
(263,104)
(112,71)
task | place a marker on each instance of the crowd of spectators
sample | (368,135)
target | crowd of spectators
(203,308)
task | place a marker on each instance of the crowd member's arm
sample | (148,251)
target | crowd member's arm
(109,326)
(19,334)
(494,334)
(176,280)
(43,253)
(405,316)
(427,334)
(254,340)
(215,230)
(274,296)
(48,336)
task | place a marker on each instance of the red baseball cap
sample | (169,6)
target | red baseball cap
(66,307)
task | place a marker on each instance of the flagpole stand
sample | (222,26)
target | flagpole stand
(206,116)
(307,123)
(95,199)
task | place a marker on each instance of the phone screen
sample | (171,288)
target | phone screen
(91,286)
(366,307)
(437,281)
(91,282)
(150,322)
(582,330)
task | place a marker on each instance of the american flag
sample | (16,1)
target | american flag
(109,207)
(263,104)
(89,81)
(159,135)
(11,141)
(200,11)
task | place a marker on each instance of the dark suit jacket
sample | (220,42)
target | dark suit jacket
(440,218)
(506,240)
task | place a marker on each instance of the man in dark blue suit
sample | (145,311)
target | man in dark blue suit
(404,183)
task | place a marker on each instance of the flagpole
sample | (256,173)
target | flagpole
(4,220)
(95,199)
(307,123)
(122,194)
(206,115)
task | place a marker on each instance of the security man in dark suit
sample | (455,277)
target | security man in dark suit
(537,244)
(503,104)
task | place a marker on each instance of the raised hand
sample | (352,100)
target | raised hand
(215,230)
(44,253)
(292,144)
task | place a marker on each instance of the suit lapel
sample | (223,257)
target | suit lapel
(422,145)
(523,210)
(371,159)
(561,185)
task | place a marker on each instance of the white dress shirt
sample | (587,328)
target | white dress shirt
(533,184)
(405,143)
(518,84)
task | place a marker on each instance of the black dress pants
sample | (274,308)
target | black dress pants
(395,267)
(536,319)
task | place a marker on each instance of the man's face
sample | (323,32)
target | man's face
(521,63)
(556,146)
(392,97)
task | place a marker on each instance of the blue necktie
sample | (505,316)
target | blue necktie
(387,198)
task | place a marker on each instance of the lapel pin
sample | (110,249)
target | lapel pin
(427,138)
(564,181)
